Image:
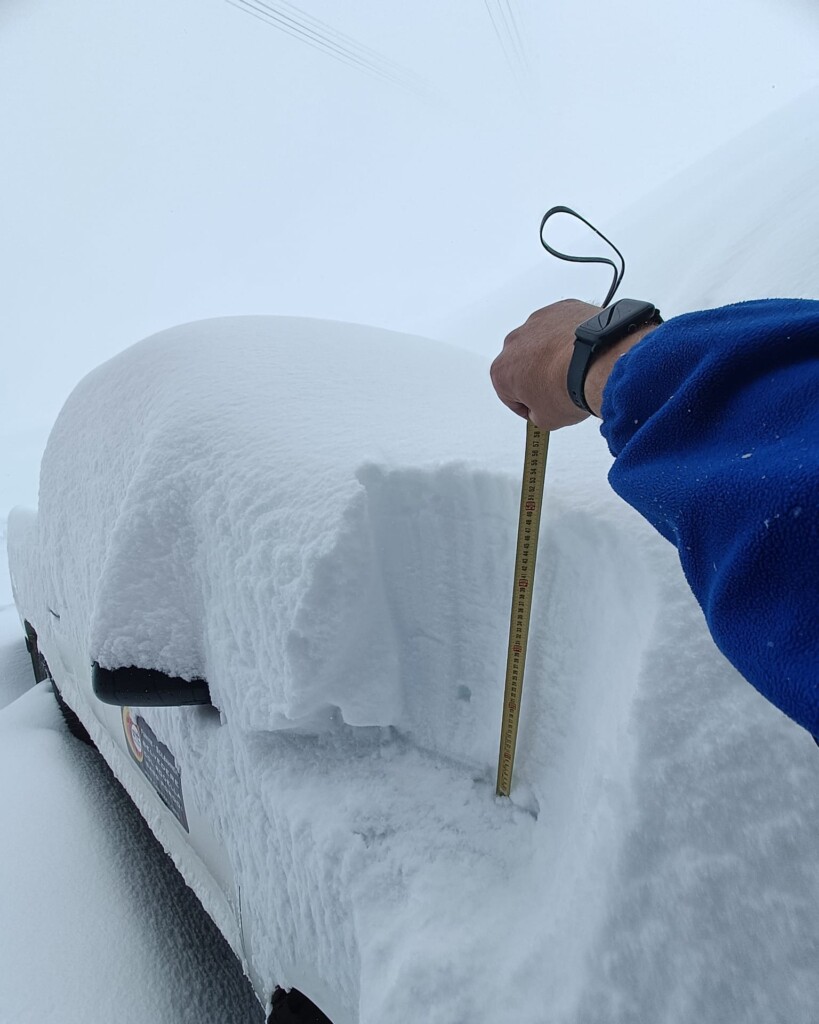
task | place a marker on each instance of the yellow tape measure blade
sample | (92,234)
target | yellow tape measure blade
(531,503)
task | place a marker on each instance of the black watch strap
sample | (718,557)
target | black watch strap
(598,333)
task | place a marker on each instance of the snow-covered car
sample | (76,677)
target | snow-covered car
(269,575)
(310,527)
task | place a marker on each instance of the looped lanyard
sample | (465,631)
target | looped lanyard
(618,271)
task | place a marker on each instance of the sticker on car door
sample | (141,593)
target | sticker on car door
(156,762)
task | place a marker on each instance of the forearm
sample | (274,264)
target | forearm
(714,422)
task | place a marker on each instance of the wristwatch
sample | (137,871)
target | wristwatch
(598,333)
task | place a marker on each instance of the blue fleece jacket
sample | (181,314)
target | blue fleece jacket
(714,422)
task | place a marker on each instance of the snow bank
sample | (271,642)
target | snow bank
(713,907)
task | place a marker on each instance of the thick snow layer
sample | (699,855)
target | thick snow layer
(320,519)
(257,501)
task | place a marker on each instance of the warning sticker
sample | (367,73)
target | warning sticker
(157,763)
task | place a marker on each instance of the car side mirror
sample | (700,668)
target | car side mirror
(146,688)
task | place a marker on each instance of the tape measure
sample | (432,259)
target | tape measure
(531,502)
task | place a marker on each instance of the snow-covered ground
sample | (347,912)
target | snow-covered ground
(657,860)
(96,923)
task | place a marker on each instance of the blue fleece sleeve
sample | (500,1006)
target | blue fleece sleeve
(713,420)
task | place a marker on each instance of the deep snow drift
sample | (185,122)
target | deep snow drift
(328,538)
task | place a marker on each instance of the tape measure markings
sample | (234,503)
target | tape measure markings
(531,503)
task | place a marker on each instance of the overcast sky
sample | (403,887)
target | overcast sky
(178,159)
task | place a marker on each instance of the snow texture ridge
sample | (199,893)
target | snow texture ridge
(259,536)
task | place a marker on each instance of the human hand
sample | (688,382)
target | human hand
(530,373)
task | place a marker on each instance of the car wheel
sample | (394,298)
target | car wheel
(73,724)
(38,662)
(294,1008)
(43,672)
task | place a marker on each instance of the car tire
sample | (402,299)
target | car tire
(43,672)
(38,662)
(72,722)
(294,1008)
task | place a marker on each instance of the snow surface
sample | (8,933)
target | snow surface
(320,518)
(96,923)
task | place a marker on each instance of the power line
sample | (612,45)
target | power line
(509,36)
(509,60)
(271,17)
(307,29)
(515,33)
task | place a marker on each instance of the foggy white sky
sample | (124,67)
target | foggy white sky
(178,159)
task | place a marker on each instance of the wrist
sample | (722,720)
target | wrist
(603,363)
(602,332)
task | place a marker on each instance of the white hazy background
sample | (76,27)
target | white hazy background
(177,159)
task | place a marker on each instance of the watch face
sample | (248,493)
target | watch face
(615,321)
(598,332)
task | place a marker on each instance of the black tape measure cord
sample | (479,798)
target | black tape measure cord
(618,271)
